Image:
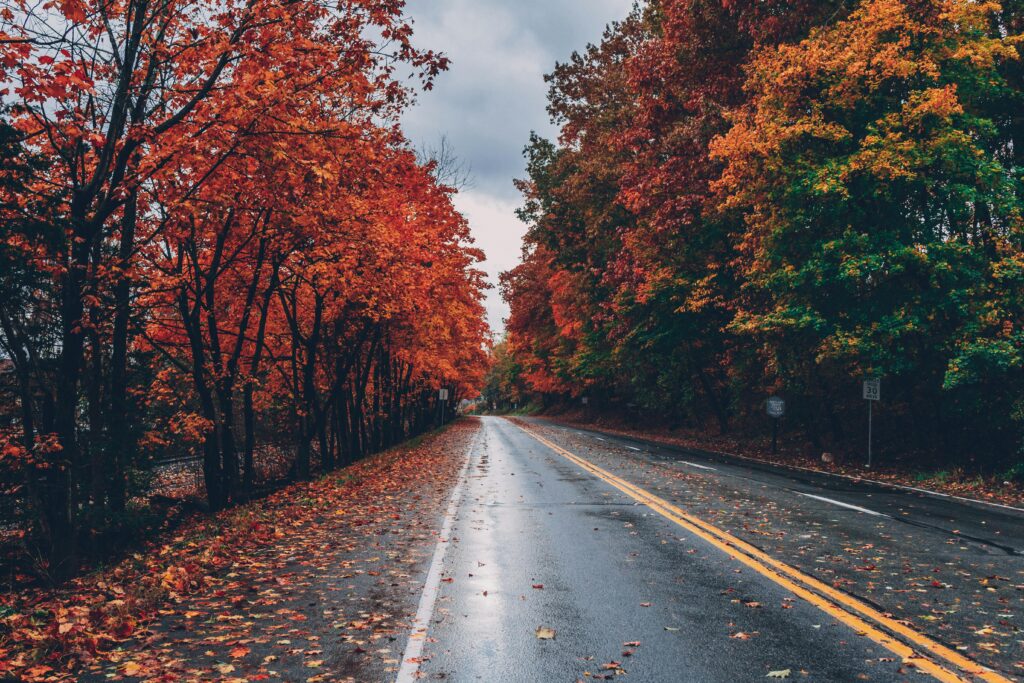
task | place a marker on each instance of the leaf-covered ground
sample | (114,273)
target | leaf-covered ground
(317,582)
(901,472)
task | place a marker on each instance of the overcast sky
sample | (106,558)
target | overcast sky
(493,96)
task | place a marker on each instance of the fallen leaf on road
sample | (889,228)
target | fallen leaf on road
(545,633)
(539,586)
(615,667)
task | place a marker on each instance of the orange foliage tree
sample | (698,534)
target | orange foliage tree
(217,225)
(757,197)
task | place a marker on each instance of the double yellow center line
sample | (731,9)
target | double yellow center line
(913,647)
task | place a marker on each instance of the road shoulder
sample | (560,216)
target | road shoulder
(318,582)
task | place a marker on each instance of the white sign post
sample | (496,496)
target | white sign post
(872,393)
(443,395)
(776,408)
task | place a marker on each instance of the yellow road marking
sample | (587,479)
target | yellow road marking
(835,603)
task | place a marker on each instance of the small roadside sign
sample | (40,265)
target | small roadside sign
(872,390)
(776,409)
(442,395)
(872,393)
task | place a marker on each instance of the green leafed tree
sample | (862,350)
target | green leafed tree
(874,171)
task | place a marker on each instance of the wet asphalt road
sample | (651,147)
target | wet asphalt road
(539,542)
(948,568)
(994,528)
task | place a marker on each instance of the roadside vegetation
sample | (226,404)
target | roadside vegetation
(222,266)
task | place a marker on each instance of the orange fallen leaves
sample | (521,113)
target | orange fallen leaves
(49,634)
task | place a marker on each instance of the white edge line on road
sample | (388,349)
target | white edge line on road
(408,673)
(700,467)
(633,448)
(882,482)
(842,504)
(851,477)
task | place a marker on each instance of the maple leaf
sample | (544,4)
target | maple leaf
(131,669)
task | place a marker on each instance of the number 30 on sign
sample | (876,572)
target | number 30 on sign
(872,390)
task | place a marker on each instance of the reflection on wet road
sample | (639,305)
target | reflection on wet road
(542,542)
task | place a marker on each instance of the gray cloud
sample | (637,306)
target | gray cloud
(494,95)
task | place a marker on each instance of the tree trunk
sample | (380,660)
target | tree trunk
(716,404)
(212,469)
(121,437)
(229,454)
(248,413)
(59,499)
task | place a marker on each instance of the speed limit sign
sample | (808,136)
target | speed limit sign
(872,390)
(776,407)
(872,393)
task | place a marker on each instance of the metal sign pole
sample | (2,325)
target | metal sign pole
(870,406)
(776,408)
(872,393)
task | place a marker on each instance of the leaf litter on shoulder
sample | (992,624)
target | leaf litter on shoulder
(216,575)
